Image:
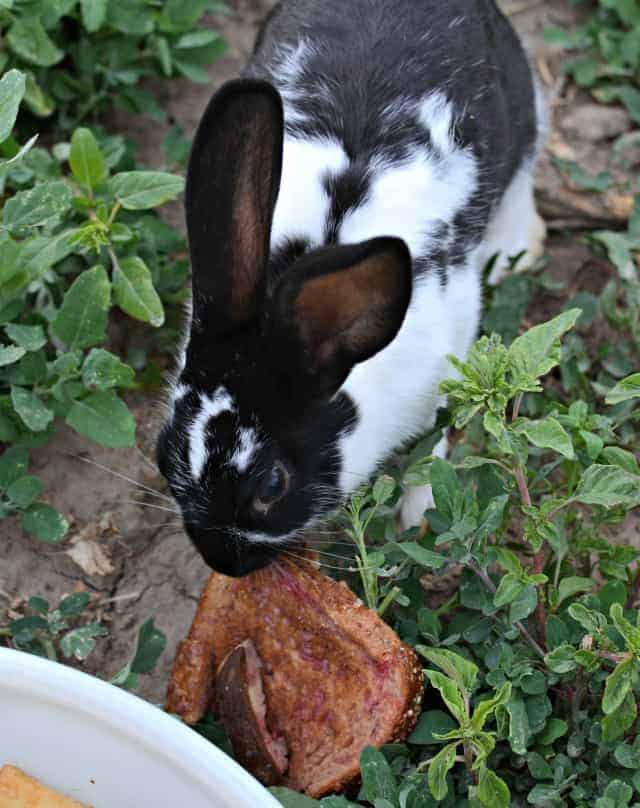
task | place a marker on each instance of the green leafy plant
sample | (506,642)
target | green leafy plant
(67,632)
(80,56)
(534,648)
(58,633)
(76,239)
(609,57)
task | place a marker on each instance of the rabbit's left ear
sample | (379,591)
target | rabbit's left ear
(340,306)
(232,187)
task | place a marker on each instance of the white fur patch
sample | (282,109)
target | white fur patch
(180,391)
(303,203)
(248,445)
(396,392)
(286,74)
(436,115)
(410,199)
(210,407)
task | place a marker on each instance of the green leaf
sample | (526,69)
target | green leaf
(617,686)
(28,39)
(94,13)
(37,604)
(291,799)
(73,605)
(29,337)
(24,491)
(10,354)
(439,767)
(102,371)
(492,790)
(431,724)
(573,586)
(38,206)
(134,291)
(378,780)
(104,418)
(615,725)
(544,796)
(508,590)
(197,39)
(463,672)
(628,756)
(561,659)
(450,694)
(519,730)
(86,160)
(555,729)
(383,489)
(14,463)
(12,86)
(625,390)
(445,485)
(618,248)
(82,319)
(80,642)
(615,456)
(592,622)
(30,408)
(548,434)
(45,523)
(608,486)
(617,795)
(150,646)
(630,633)
(538,766)
(537,351)
(141,190)
(422,556)
(524,604)
(487,707)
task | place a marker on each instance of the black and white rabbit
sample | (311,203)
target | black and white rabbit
(342,201)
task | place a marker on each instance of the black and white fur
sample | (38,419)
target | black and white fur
(343,199)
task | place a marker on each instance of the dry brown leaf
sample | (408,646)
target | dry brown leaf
(90,557)
(621,205)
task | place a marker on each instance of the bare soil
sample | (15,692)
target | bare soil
(134,559)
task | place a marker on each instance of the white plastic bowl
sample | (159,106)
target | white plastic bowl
(107,748)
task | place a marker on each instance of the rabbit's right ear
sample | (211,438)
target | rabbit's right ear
(232,187)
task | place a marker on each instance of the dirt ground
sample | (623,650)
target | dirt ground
(135,560)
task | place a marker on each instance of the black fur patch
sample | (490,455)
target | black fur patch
(366,58)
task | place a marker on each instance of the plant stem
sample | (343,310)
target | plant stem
(520,626)
(539,559)
(516,406)
(388,600)
(49,649)
(114,212)
(468,762)
(523,488)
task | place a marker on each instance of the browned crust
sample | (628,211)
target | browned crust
(314,637)
(19,790)
(191,687)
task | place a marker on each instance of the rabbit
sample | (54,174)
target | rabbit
(343,197)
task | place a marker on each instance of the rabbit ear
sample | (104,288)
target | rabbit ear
(232,186)
(340,306)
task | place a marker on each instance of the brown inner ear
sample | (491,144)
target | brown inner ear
(345,306)
(251,222)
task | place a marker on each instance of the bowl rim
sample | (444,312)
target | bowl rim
(134,717)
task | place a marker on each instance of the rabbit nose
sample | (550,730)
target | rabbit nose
(227,554)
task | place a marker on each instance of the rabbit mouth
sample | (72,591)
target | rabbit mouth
(228,553)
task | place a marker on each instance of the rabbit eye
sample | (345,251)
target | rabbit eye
(273,487)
